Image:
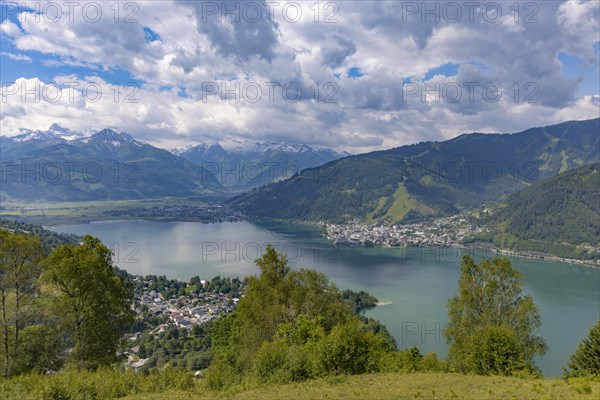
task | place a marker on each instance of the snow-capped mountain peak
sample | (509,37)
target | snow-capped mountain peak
(282,146)
(63,132)
(203,148)
(55,133)
(244,147)
(34,135)
(112,138)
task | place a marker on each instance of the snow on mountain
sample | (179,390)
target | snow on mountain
(64,133)
(281,146)
(55,133)
(34,135)
(59,134)
(245,147)
(110,138)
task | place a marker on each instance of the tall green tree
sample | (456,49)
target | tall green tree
(20,258)
(586,359)
(280,295)
(290,326)
(492,324)
(91,302)
(4,290)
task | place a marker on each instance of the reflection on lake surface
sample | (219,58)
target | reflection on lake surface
(417,281)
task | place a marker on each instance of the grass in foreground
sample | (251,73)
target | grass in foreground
(173,385)
(406,386)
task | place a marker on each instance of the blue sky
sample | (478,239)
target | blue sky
(576,68)
(353,74)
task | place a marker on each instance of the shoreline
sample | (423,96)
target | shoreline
(548,257)
(531,255)
(507,252)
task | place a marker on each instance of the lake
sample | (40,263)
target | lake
(417,282)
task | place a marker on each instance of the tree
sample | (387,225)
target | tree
(91,302)
(280,294)
(40,350)
(289,326)
(347,350)
(496,352)
(20,257)
(491,327)
(586,359)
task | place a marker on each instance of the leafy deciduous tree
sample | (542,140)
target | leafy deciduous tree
(491,318)
(20,257)
(91,301)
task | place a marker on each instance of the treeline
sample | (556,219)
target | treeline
(532,247)
(174,288)
(359,301)
(49,239)
(169,288)
(226,285)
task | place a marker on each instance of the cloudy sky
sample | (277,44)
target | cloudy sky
(350,75)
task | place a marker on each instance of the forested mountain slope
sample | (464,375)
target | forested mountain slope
(426,179)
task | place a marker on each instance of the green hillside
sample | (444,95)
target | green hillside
(49,239)
(426,179)
(559,215)
(177,385)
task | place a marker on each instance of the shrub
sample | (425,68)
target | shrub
(220,375)
(105,383)
(347,350)
(411,360)
(496,352)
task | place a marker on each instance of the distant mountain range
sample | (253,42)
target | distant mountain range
(59,165)
(241,166)
(559,215)
(62,165)
(427,179)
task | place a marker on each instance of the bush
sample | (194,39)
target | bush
(220,375)
(272,359)
(411,360)
(496,352)
(279,362)
(105,383)
(347,350)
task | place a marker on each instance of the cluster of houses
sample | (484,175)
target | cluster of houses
(184,312)
(187,311)
(133,361)
(446,231)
